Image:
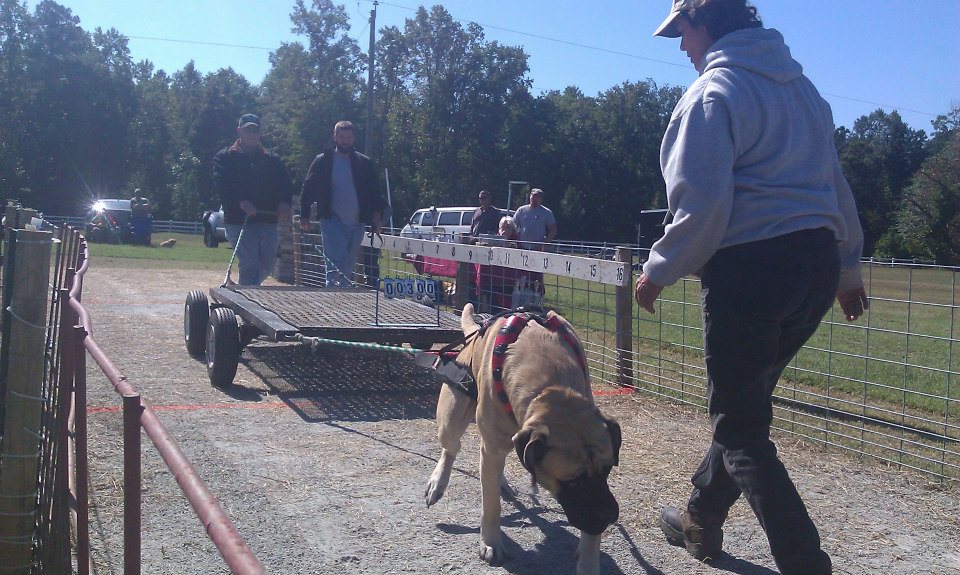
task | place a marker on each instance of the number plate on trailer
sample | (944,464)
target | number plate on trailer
(412,288)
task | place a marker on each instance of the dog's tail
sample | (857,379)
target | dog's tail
(467,322)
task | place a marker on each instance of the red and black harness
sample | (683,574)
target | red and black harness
(460,379)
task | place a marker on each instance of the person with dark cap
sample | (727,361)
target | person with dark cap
(762,212)
(344,184)
(255,192)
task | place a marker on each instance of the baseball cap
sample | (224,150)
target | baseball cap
(668,28)
(248,119)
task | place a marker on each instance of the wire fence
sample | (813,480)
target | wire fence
(35,402)
(44,473)
(884,387)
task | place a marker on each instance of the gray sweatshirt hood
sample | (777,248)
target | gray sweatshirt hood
(758,50)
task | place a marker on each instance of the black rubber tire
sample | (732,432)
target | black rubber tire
(196,314)
(209,239)
(223,347)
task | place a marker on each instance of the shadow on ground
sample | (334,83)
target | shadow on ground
(345,383)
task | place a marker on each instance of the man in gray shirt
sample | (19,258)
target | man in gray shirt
(535,223)
(344,185)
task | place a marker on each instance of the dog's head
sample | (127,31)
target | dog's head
(569,448)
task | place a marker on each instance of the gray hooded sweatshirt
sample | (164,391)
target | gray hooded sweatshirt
(749,155)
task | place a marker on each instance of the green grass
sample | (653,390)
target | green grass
(903,358)
(189,249)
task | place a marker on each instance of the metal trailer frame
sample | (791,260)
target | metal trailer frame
(220,327)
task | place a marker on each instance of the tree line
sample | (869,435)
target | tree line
(453,114)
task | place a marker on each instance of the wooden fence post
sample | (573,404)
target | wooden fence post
(463,283)
(24,404)
(624,338)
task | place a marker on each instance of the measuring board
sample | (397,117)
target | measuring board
(590,269)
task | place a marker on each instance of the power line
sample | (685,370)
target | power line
(530,35)
(199,43)
(557,40)
(638,57)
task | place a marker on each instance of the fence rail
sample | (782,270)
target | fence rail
(884,387)
(169,226)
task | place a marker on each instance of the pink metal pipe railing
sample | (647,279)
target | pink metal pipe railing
(234,550)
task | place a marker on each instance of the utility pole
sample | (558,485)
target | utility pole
(510,185)
(370,63)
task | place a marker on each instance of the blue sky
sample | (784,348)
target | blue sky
(862,55)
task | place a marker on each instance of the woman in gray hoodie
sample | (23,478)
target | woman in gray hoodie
(762,212)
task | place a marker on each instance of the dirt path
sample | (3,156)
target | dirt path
(321,461)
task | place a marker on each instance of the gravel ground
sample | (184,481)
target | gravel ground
(321,461)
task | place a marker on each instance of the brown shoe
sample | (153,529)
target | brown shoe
(682,530)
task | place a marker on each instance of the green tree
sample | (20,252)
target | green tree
(153,150)
(448,95)
(310,88)
(15,27)
(879,157)
(929,222)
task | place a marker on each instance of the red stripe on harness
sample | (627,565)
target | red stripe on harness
(509,333)
(506,336)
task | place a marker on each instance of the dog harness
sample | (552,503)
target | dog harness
(509,333)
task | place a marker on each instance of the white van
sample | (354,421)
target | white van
(440,223)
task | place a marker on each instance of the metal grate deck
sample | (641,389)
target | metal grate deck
(347,314)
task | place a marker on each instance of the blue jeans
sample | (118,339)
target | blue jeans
(341,247)
(257,251)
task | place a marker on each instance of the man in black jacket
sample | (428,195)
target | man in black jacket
(255,192)
(344,185)
(486,218)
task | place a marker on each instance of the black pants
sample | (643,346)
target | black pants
(761,302)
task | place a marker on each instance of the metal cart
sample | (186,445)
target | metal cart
(219,328)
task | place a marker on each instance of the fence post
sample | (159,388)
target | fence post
(464,273)
(132,510)
(58,549)
(624,339)
(27,317)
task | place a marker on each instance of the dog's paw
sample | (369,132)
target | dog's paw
(435,490)
(494,556)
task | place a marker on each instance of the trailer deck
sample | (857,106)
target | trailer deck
(350,314)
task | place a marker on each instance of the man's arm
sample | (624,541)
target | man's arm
(551,232)
(309,192)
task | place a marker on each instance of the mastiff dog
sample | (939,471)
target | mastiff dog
(530,393)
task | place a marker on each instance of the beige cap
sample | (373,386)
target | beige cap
(668,29)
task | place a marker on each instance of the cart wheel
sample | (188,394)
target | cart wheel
(196,313)
(223,347)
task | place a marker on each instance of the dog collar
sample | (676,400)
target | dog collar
(509,333)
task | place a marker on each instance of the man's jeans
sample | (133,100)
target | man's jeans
(341,247)
(257,251)
(761,301)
